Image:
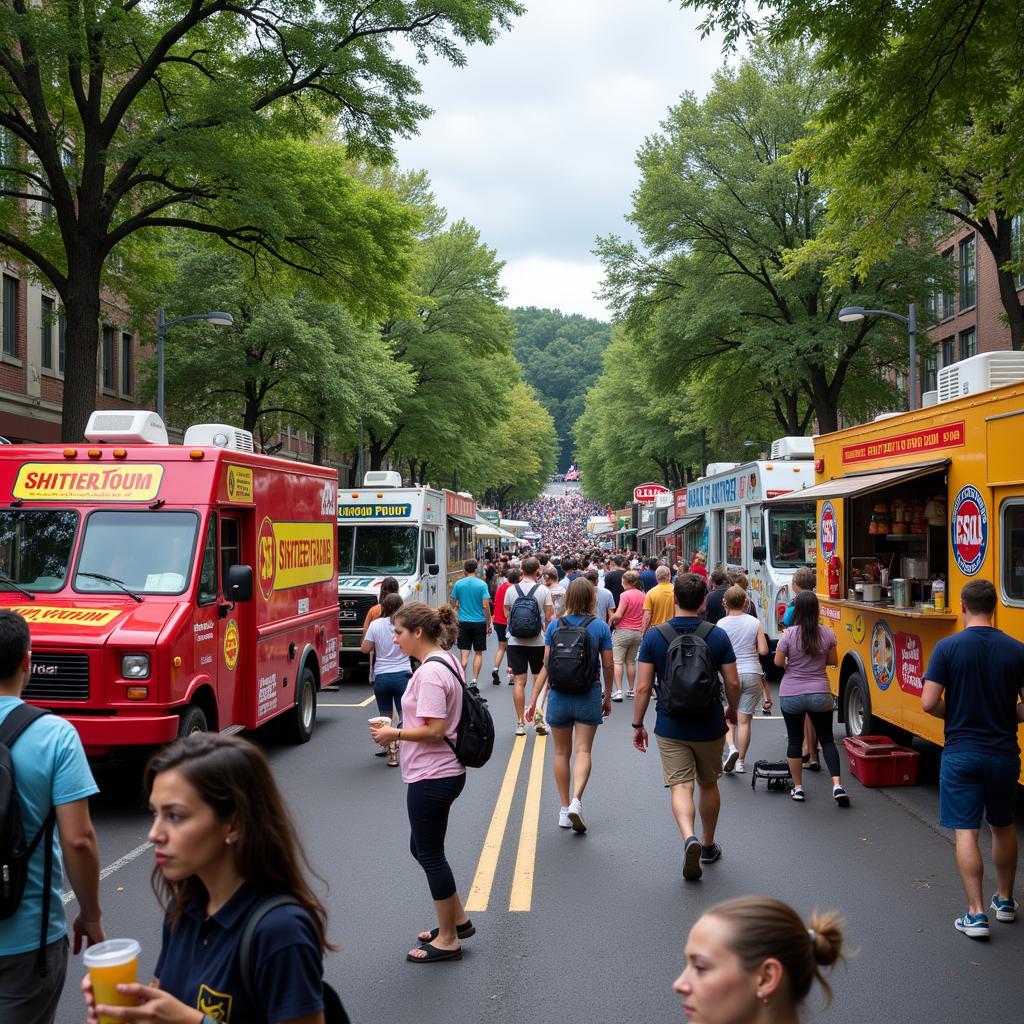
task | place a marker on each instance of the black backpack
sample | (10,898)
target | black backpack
(690,687)
(572,662)
(524,618)
(474,739)
(334,1011)
(15,854)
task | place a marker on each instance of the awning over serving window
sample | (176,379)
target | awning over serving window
(679,525)
(854,484)
(646,532)
(463,520)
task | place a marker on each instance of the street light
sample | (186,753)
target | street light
(765,445)
(213,317)
(848,314)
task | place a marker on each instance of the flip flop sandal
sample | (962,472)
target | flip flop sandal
(463,931)
(434,955)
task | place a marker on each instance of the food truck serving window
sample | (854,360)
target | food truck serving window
(149,552)
(792,535)
(734,537)
(1012,569)
(35,547)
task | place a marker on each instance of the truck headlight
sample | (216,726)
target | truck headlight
(135,666)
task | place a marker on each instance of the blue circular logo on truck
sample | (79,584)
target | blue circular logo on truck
(968,526)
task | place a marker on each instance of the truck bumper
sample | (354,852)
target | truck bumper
(99,734)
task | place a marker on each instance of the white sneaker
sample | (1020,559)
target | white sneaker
(520,729)
(730,760)
(563,818)
(575,814)
(739,769)
(617,696)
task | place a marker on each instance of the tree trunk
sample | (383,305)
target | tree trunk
(319,447)
(81,342)
(1000,244)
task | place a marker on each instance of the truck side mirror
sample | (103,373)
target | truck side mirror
(239,583)
(430,557)
(433,569)
(760,553)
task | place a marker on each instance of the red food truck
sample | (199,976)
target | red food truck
(170,589)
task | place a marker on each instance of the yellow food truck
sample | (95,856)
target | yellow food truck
(910,508)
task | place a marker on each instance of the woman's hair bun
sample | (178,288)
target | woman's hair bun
(827,939)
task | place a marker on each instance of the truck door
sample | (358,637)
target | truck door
(231,663)
(430,582)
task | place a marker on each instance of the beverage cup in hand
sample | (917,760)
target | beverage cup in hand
(112,963)
(379,721)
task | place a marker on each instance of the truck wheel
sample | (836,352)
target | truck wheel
(297,724)
(857,707)
(191,720)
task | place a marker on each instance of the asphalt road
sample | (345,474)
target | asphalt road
(608,911)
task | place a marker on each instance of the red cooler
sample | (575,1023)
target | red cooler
(877,761)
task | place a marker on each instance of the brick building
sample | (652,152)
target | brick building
(32,358)
(970,316)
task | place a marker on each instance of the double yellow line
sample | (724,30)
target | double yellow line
(526,857)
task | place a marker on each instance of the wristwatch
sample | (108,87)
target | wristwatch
(638,725)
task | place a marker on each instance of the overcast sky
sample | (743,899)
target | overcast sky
(534,142)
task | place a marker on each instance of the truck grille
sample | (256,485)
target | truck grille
(352,610)
(58,677)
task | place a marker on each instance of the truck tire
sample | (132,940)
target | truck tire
(857,707)
(190,720)
(297,725)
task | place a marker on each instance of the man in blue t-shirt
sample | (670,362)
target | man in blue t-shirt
(973,683)
(50,770)
(472,603)
(649,577)
(690,749)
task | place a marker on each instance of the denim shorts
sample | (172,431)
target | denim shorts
(566,709)
(501,631)
(972,784)
(799,703)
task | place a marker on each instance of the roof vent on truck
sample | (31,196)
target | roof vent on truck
(980,373)
(132,426)
(382,478)
(218,435)
(793,448)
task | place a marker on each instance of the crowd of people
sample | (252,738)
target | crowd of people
(559,520)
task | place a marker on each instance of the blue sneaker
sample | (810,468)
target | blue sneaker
(973,925)
(1006,910)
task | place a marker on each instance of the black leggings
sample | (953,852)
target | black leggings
(429,802)
(822,722)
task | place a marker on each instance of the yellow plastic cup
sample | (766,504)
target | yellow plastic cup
(112,963)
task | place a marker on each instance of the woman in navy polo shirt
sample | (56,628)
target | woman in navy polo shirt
(224,843)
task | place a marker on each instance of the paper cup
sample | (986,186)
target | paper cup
(379,721)
(112,963)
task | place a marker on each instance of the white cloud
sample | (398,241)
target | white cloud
(535,141)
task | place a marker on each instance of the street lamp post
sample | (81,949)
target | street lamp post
(765,445)
(848,314)
(213,317)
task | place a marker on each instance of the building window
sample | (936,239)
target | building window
(108,358)
(1017,249)
(968,274)
(968,343)
(126,364)
(940,302)
(10,326)
(62,327)
(46,334)
(948,351)
(929,371)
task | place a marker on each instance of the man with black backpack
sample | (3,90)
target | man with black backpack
(528,610)
(687,655)
(45,785)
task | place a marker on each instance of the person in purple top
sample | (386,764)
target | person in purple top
(804,650)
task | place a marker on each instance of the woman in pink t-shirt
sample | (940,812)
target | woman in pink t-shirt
(431,710)
(627,624)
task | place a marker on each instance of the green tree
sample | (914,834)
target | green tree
(720,205)
(561,358)
(127,117)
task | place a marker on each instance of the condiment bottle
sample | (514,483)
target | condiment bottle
(939,594)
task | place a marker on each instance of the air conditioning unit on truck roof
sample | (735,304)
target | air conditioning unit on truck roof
(793,448)
(132,426)
(218,435)
(980,373)
(382,478)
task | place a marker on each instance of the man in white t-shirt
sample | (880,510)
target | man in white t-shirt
(526,653)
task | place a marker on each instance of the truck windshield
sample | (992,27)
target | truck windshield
(385,550)
(793,536)
(149,552)
(35,547)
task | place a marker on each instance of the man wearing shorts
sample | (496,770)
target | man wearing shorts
(527,653)
(472,603)
(627,631)
(690,749)
(973,682)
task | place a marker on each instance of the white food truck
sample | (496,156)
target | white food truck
(419,535)
(769,542)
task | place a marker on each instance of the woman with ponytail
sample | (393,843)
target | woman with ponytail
(431,710)
(753,960)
